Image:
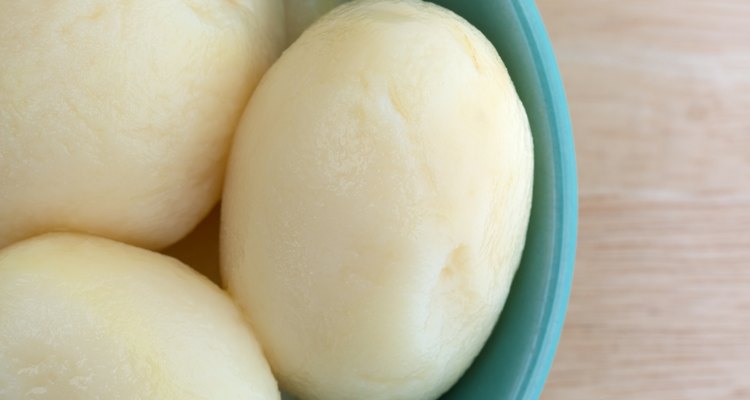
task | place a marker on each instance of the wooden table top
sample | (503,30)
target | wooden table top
(659,95)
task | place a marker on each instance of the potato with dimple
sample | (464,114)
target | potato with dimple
(376,202)
(89,318)
(116,116)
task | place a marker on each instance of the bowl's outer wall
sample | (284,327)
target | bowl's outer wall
(515,362)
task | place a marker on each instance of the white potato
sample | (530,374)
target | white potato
(116,116)
(89,318)
(376,202)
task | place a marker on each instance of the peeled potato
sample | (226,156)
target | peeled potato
(376,202)
(89,318)
(116,116)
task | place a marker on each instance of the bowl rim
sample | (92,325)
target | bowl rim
(565,194)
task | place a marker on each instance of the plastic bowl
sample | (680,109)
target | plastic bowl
(515,361)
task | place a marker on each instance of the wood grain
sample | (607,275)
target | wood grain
(659,94)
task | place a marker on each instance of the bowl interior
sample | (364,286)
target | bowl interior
(516,359)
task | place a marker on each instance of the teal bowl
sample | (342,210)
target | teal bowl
(515,361)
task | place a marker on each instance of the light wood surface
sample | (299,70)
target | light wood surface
(659,94)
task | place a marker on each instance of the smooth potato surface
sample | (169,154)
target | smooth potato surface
(376,202)
(88,318)
(116,116)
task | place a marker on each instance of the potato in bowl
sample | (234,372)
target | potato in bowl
(395,195)
(376,205)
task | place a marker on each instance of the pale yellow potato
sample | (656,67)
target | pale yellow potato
(376,202)
(116,116)
(89,318)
